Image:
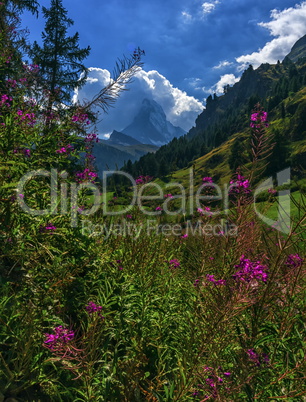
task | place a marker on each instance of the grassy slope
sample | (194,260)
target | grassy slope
(215,163)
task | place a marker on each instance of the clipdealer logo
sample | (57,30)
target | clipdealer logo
(64,197)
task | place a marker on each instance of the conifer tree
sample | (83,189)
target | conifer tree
(11,8)
(236,158)
(12,39)
(60,58)
(279,157)
(163,169)
(283,110)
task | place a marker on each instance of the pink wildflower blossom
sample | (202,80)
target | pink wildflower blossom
(220,282)
(250,270)
(61,337)
(92,308)
(258,118)
(174,263)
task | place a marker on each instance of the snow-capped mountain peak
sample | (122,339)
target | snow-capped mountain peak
(150,125)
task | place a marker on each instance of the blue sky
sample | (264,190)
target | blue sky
(193,48)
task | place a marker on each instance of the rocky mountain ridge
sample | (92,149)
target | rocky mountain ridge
(150,125)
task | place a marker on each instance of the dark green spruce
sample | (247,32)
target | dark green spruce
(60,56)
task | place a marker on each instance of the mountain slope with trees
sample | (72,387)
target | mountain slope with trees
(277,87)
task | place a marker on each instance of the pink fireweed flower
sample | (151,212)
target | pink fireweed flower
(294,261)
(207,180)
(32,68)
(220,282)
(81,118)
(168,196)
(91,137)
(59,339)
(220,379)
(250,270)
(241,185)
(86,175)
(49,228)
(11,83)
(158,209)
(258,118)
(61,150)
(29,118)
(272,191)
(215,380)
(92,308)
(262,116)
(253,356)
(196,283)
(210,382)
(174,263)
(27,152)
(118,265)
(143,179)
(4,100)
(205,211)
(256,358)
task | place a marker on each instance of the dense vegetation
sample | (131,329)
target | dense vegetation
(101,307)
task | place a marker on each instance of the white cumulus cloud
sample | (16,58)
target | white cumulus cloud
(180,109)
(187,17)
(194,82)
(226,79)
(222,64)
(286,27)
(208,7)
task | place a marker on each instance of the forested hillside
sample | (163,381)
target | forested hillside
(279,88)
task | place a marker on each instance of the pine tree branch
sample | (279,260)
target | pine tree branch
(124,71)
